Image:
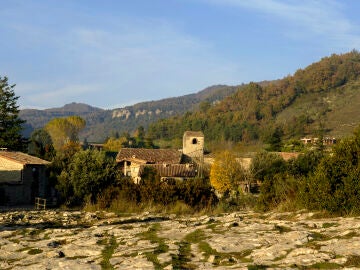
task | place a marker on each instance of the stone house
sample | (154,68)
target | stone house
(171,164)
(22,178)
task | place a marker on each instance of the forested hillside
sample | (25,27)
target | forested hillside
(322,99)
(103,123)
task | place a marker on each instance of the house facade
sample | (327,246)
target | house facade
(169,163)
(22,178)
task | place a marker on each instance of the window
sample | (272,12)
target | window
(194,141)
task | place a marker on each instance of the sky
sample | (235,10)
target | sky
(114,53)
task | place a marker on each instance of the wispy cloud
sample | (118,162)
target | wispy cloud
(130,60)
(308,18)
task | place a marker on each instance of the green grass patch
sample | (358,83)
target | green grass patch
(195,236)
(34,251)
(318,236)
(162,247)
(324,265)
(182,259)
(330,224)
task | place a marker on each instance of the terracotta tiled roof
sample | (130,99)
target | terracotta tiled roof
(23,158)
(172,170)
(170,156)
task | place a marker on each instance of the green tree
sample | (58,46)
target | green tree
(225,172)
(10,123)
(41,145)
(267,164)
(87,175)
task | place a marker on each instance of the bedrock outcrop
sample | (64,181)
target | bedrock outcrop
(55,239)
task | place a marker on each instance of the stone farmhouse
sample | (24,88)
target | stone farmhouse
(22,178)
(171,164)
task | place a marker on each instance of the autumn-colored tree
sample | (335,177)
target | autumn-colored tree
(225,172)
(115,144)
(65,130)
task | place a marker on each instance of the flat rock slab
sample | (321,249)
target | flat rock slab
(241,240)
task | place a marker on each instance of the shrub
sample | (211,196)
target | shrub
(88,174)
(276,190)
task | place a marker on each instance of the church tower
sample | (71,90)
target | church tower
(193,144)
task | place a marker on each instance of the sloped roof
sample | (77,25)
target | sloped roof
(172,170)
(23,158)
(170,156)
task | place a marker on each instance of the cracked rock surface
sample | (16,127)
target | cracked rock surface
(55,239)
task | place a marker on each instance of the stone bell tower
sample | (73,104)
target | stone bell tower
(193,144)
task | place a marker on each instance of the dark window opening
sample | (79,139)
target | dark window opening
(194,141)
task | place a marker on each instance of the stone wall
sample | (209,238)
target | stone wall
(33,184)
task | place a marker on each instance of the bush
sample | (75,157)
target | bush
(184,196)
(238,202)
(88,174)
(276,190)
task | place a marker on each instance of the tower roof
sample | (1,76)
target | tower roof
(194,134)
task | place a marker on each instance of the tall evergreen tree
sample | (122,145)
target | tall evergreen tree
(10,123)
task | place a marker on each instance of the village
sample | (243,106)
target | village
(23,178)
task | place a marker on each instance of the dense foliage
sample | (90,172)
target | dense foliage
(86,175)
(10,123)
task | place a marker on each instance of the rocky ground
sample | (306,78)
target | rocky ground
(242,240)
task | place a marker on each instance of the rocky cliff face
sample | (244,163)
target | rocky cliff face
(242,240)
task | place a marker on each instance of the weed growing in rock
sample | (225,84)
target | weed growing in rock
(107,252)
(183,257)
(151,235)
(35,251)
(330,224)
(324,265)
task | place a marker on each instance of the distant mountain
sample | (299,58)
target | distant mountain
(103,123)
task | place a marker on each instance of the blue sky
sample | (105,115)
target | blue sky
(112,53)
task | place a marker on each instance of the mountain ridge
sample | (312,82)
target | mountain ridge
(102,123)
